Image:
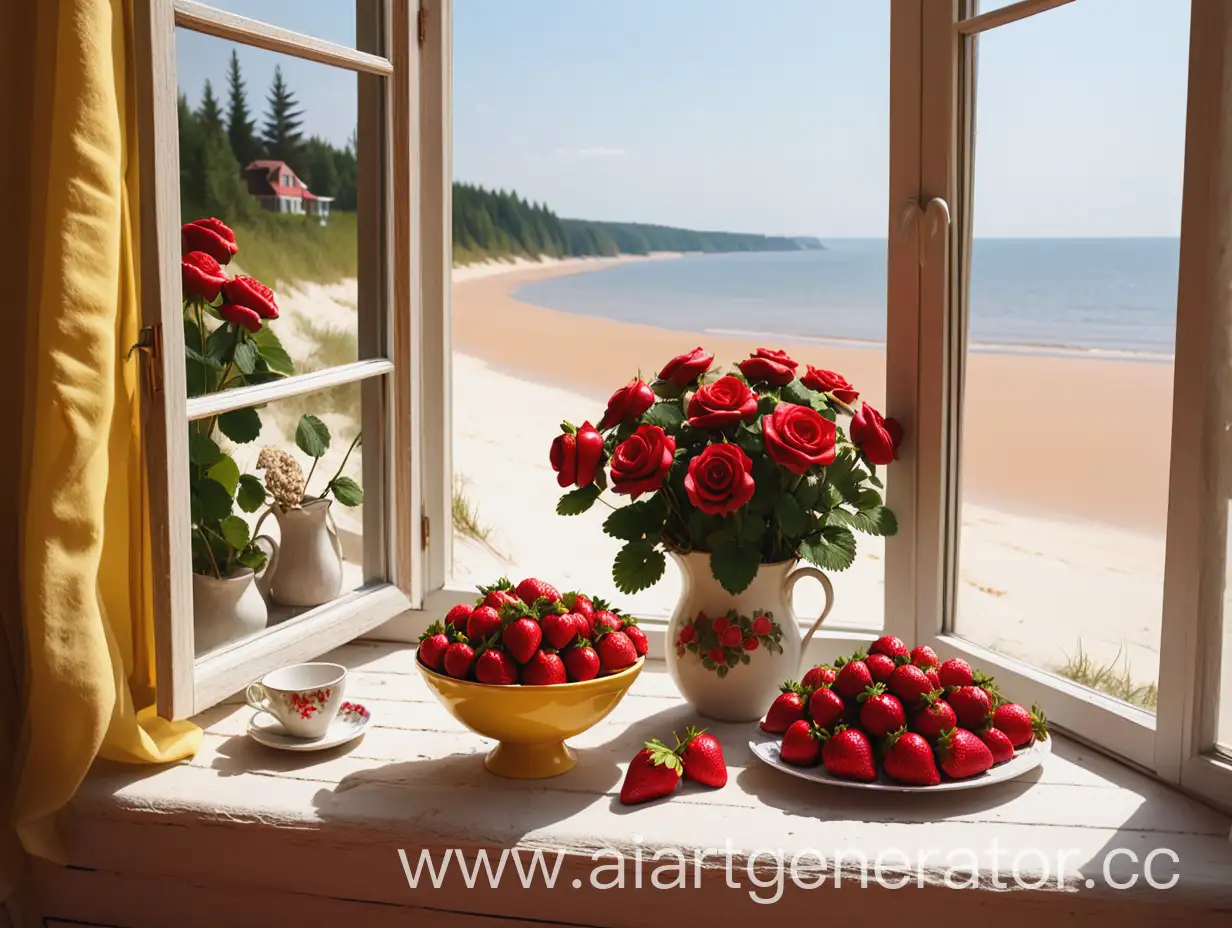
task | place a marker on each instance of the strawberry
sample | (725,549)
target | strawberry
(531,589)
(522,638)
(616,652)
(934,716)
(484,621)
(581,604)
(890,646)
(762,625)
(853,677)
(822,673)
(934,679)
(826,707)
(497,598)
(955,672)
(909,684)
(880,713)
(458,616)
(751,643)
(731,637)
(459,657)
(721,624)
(925,657)
(1020,725)
(559,630)
(605,621)
(702,756)
(909,759)
(881,666)
(496,667)
(801,745)
(972,705)
(581,661)
(638,637)
(962,753)
(545,668)
(580,623)
(848,753)
(432,645)
(788,707)
(998,743)
(652,774)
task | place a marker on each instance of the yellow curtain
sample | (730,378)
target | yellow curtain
(83,539)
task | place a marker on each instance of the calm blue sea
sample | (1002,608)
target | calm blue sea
(1112,297)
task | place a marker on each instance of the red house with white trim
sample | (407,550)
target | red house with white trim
(278,189)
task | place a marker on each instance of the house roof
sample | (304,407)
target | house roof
(271,178)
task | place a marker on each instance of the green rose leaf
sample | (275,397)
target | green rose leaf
(213,500)
(246,357)
(226,472)
(667,416)
(235,530)
(808,491)
(751,440)
(270,348)
(202,450)
(798,393)
(240,425)
(251,493)
(876,521)
(701,527)
(638,565)
(347,491)
(734,564)
(219,344)
(833,548)
(576,502)
(752,527)
(790,515)
(312,436)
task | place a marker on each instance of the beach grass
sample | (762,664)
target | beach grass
(1112,677)
(282,249)
(466,519)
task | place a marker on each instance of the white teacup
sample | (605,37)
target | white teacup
(303,697)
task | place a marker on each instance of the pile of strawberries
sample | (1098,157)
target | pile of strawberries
(532,635)
(657,769)
(904,710)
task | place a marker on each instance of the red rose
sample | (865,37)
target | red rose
(718,481)
(250,292)
(877,437)
(687,634)
(762,625)
(766,366)
(640,463)
(720,625)
(798,437)
(731,637)
(202,276)
(829,382)
(685,368)
(750,644)
(629,402)
(724,402)
(575,458)
(240,315)
(211,236)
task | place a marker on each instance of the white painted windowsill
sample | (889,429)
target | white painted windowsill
(242,829)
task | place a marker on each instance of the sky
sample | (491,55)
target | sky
(772,118)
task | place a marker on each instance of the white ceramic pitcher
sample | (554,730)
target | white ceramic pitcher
(308,568)
(226,610)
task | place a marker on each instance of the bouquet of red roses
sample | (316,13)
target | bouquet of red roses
(750,466)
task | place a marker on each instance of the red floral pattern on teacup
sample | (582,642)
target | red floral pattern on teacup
(307,704)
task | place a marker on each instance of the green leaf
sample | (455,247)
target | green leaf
(866,498)
(271,350)
(576,502)
(632,522)
(240,425)
(701,526)
(876,521)
(638,565)
(766,485)
(312,436)
(734,565)
(808,491)
(752,527)
(251,494)
(790,515)
(667,416)
(235,530)
(347,491)
(213,500)
(246,357)
(202,450)
(226,472)
(798,393)
(219,344)
(833,548)
(751,440)
(252,556)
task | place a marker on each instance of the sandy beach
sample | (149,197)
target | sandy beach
(1065,471)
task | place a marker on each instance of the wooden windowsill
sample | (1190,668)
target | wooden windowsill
(323,831)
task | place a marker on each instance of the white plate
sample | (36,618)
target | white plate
(766,748)
(350,722)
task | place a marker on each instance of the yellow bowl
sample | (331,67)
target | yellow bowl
(530,722)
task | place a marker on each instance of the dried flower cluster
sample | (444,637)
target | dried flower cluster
(283,477)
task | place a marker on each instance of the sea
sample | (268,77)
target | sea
(1104,297)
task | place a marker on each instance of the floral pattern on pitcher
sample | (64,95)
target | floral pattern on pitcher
(729,641)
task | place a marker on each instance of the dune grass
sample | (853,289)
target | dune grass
(466,514)
(1112,678)
(282,249)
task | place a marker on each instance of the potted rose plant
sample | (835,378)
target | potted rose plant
(738,476)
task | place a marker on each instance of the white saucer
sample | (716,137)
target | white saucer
(351,722)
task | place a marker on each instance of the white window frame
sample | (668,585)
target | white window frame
(388,345)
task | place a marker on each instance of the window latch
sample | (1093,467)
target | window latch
(150,344)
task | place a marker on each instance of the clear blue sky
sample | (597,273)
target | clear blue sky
(772,117)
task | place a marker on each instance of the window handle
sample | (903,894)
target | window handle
(934,218)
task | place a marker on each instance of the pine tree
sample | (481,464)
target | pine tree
(241,130)
(282,121)
(208,112)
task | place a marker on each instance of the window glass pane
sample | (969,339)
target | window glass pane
(595,269)
(293,472)
(333,20)
(1073,275)
(268,146)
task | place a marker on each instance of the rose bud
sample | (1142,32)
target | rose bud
(240,315)
(766,366)
(211,236)
(829,382)
(724,402)
(575,457)
(250,292)
(798,437)
(640,463)
(202,276)
(685,368)
(877,437)
(629,402)
(719,480)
